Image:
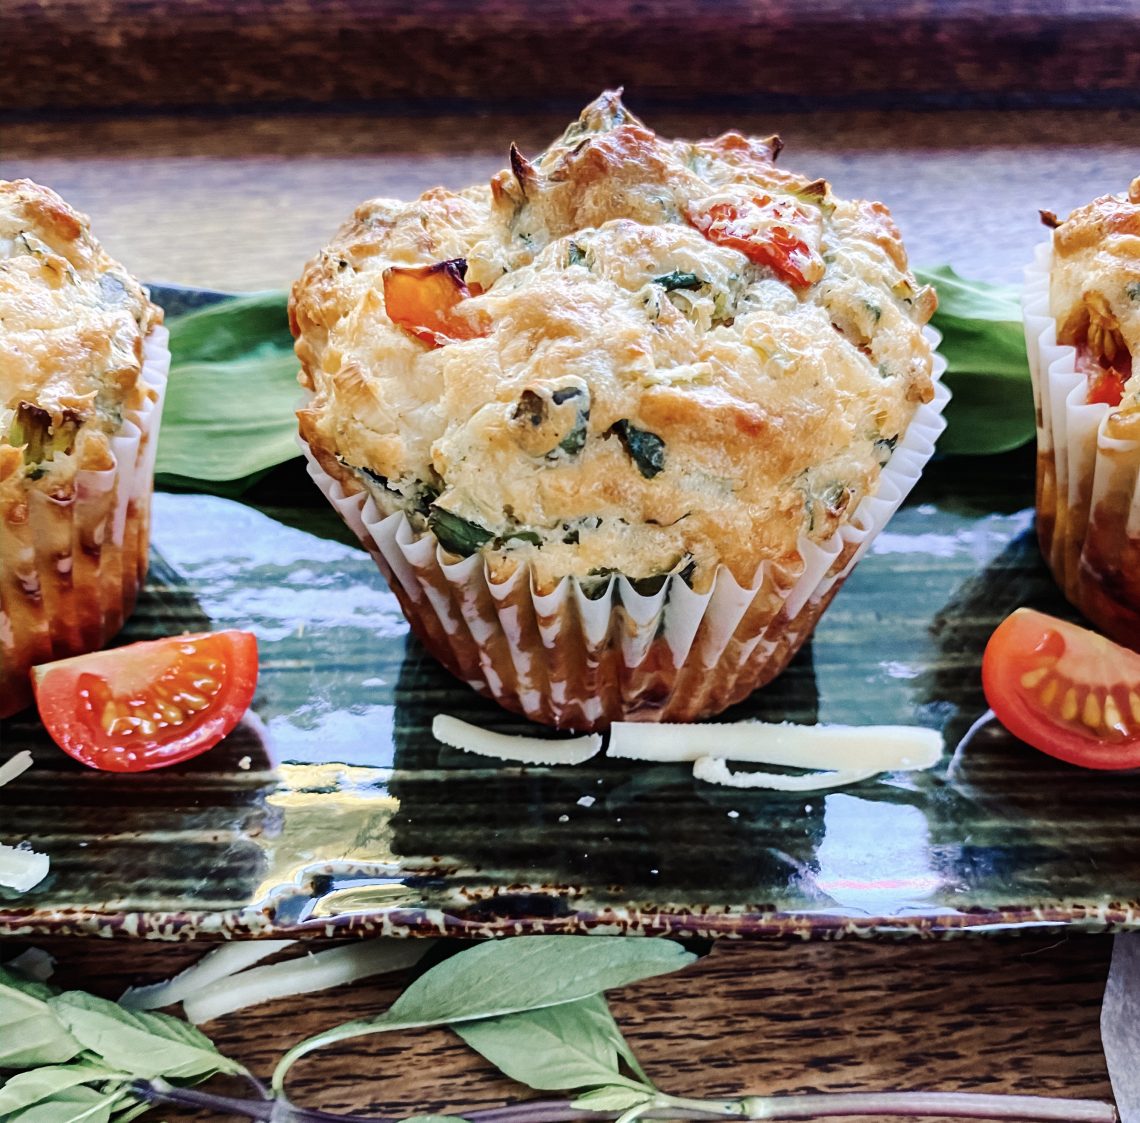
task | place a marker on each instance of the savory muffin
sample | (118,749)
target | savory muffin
(82,369)
(630,356)
(1088,398)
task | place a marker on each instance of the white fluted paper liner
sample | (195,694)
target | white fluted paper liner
(1088,483)
(579,662)
(70,573)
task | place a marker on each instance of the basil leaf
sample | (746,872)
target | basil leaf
(30,1033)
(73,1105)
(647,449)
(456,534)
(983,341)
(506,976)
(142,1044)
(232,392)
(573,1045)
(27,1088)
(611,1099)
(499,977)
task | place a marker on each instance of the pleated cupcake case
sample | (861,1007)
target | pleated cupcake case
(71,570)
(1088,483)
(580,661)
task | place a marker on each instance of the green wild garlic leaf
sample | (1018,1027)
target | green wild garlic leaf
(456,534)
(983,342)
(678,280)
(646,449)
(230,401)
(574,1045)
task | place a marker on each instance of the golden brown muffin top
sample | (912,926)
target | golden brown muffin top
(628,354)
(1094,295)
(72,322)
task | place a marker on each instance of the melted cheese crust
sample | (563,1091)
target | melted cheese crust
(643,399)
(72,322)
(1094,289)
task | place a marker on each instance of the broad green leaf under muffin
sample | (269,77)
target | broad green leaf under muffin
(231,395)
(988,373)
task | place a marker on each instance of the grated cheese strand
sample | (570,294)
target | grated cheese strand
(221,963)
(303,975)
(21,868)
(15,765)
(715,770)
(880,748)
(519,750)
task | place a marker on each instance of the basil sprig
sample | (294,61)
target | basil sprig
(533,1006)
(498,978)
(81,1055)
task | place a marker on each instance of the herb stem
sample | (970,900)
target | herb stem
(946,1105)
(949,1105)
(160,1092)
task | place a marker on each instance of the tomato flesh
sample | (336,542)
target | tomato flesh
(1065,690)
(1105,381)
(423,299)
(149,704)
(770,232)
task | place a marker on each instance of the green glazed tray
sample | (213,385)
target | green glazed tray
(332,810)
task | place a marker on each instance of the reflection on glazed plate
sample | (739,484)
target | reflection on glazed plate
(333,810)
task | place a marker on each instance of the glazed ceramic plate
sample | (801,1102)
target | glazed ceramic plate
(333,810)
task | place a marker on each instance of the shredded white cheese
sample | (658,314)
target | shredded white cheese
(715,770)
(22,868)
(308,973)
(14,766)
(520,750)
(833,748)
(216,965)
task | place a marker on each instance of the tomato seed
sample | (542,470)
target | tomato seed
(1091,714)
(1069,707)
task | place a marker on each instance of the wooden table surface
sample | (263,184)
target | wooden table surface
(239,202)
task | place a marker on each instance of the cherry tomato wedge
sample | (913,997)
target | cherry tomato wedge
(149,704)
(422,299)
(1065,690)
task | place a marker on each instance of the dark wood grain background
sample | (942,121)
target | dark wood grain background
(144,54)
